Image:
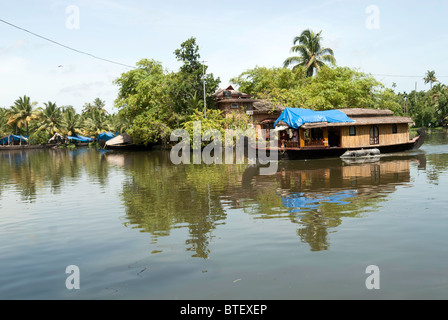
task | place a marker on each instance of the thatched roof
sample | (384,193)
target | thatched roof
(230,93)
(122,139)
(264,106)
(361,121)
(239,100)
(364,112)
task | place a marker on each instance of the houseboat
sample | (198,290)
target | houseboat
(306,134)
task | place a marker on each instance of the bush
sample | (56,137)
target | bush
(39,137)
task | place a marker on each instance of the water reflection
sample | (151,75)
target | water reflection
(159,197)
(319,194)
(30,171)
(316,195)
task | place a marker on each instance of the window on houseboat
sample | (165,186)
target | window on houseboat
(352,130)
(394,128)
(374,135)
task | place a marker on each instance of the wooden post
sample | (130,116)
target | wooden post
(302,137)
(325,133)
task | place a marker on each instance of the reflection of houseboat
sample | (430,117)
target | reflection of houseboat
(305,133)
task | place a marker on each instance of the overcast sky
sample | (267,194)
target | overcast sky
(397,41)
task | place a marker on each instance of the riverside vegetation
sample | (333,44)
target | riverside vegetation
(152,101)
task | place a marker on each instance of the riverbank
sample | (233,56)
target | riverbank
(23,147)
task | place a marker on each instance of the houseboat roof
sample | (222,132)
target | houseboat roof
(364,112)
(298,117)
(341,117)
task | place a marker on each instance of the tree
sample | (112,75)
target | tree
(97,104)
(72,121)
(3,122)
(430,77)
(189,81)
(21,113)
(311,54)
(96,122)
(439,96)
(50,118)
(145,103)
(338,87)
(152,101)
(100,105)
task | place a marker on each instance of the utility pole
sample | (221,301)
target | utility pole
(415,93)
(203,78)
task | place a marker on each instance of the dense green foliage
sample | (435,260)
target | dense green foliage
(427,108)
(338,87)
(154,101)
(342,87)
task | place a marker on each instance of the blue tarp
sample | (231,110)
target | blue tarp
(106,136)
(296,117)
(11,138)
(80,139)
(301,201)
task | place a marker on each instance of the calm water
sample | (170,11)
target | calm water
(139,227)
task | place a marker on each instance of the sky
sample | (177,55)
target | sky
(395,41)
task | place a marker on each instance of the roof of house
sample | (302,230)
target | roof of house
(229,93)
(264,106)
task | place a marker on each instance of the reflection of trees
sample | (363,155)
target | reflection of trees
(32,170)
(160,196)
(437,165)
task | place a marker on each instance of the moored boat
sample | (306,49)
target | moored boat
(307,134)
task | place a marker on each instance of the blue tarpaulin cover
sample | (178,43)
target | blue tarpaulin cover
(80,139)
(106,136)
(300,201)
(13,137)
(296,117)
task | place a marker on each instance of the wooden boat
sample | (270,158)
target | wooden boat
(307,134)
(124,142)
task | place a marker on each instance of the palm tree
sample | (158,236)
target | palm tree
(96,122)
(311,55)
(88,107)
(21,113)
(51,118)
(100,105)
(3,121)
(97,104)
(430,77)
(72,121)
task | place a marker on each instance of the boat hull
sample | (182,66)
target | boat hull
(316,153)
(329,152)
